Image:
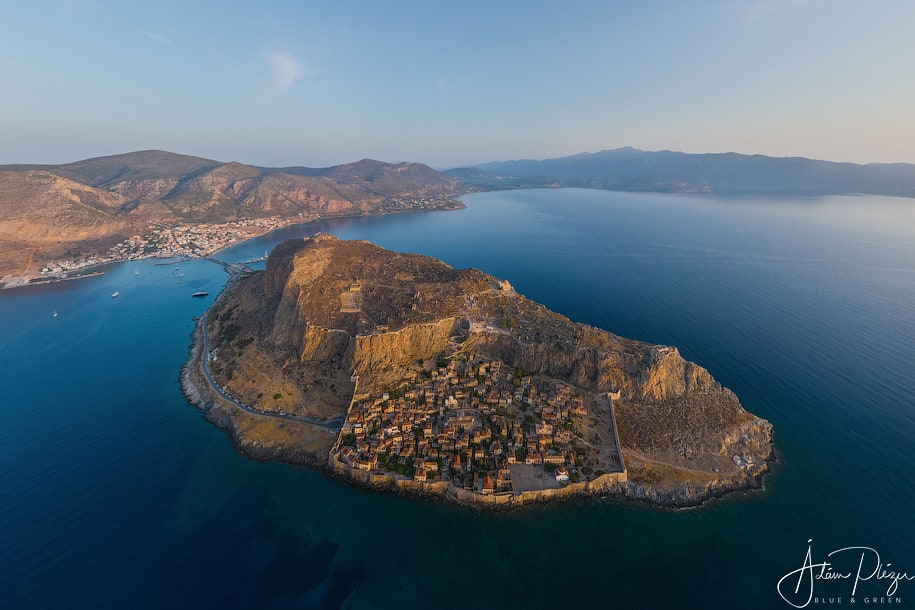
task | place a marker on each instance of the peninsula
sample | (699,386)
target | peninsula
(400,373)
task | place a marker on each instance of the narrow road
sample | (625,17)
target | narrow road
(333,424)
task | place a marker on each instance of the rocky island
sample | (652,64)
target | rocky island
(399,372)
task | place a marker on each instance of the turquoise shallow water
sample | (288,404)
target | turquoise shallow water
(115,493)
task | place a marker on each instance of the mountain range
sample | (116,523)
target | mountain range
(51,212)
(91,204)
(630,169)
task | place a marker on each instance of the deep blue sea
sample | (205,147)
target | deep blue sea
(116,493)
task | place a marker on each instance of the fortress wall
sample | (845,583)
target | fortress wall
(602,485)
(611,396)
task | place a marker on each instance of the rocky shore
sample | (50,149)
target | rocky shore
(261,438)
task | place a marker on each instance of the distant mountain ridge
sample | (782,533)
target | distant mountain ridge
(97,201)
(193,188)
(50,212)
(630,169)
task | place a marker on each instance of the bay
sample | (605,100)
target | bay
(114,492)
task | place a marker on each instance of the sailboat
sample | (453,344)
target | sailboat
(137,270)
(55,313)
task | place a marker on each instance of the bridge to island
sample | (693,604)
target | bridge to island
(234,269)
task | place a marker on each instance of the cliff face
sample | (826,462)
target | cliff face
(320,310)
(389,352)
(640,372)
(327,309)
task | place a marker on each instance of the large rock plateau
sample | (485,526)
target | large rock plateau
(293,340)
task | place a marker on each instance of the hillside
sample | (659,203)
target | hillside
(169,187)
(291,340)
(44,216)
(629,169)
(52,211)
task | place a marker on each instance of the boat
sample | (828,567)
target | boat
(55,313)
(200,293)
(115,294)
(137,270)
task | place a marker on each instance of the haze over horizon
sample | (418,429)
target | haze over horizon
(285,84)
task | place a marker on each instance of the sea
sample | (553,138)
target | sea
(116,493)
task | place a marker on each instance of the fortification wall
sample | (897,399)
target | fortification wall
(602,485)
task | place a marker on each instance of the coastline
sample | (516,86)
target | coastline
(257,444)
(54,280)
(12,282)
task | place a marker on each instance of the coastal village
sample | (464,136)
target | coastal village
(163,241)
(198,240)
(480,425)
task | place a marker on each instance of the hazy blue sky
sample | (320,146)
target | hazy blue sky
(320,83)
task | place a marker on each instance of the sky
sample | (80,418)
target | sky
(280,83)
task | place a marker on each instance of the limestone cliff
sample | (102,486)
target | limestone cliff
(397,349)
